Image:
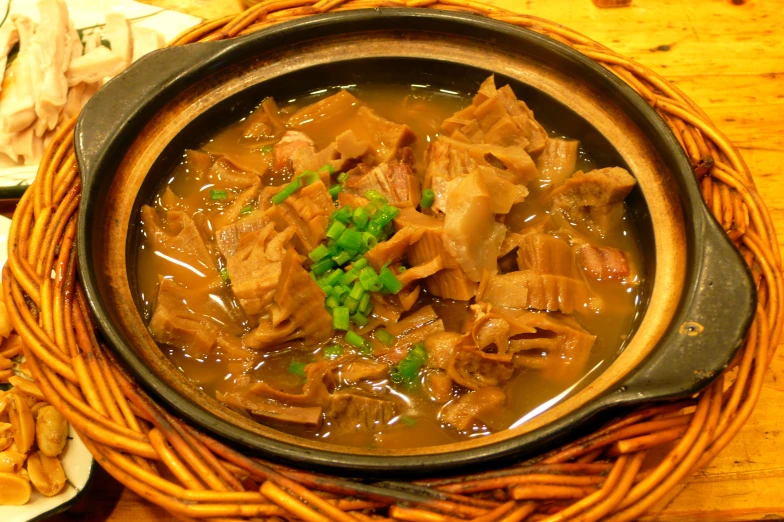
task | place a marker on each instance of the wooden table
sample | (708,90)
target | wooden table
(727,55)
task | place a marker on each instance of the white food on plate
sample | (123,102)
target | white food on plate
(56,70)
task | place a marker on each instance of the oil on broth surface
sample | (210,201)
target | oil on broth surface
(528,393)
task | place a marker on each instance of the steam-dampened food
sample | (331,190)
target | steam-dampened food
(390,266)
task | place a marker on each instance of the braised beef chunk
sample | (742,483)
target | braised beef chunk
(179,237)
(307,210)
(497,117)
(340,278)
(557,161)
(595,198)
(310,416)
(297,309)
(294,151)
(343,111)
(602,262)
(352,411)
(395,181)
(176,324)
(255,267)
(473,407)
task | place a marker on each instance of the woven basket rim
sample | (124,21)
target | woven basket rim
(596,477)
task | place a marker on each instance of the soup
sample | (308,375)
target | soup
(390,266)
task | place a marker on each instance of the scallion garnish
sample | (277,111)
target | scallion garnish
(217,195)
(287,191)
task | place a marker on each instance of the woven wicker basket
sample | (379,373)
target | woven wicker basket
(169,463)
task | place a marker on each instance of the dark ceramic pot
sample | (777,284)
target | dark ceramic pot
(698,297)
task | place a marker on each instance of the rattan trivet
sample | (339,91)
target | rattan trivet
(600,476)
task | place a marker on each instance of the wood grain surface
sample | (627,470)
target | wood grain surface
(727,55)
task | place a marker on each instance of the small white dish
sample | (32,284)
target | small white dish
(76,460)
(86,14)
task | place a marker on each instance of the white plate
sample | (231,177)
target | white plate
(77,461)
(14,179)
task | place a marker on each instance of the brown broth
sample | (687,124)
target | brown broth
(529,392)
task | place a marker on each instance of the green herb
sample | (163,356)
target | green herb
(365,306)
(342,258)
(428,196)
(375,196)
(385,337)
(332,302)
(355,340)
(340,319)
(224,274)
(217,195)
(352,304)
(332,352)
(332,277)
(408,421)
(402,269)
(322,266)
(343,177)
(407,370)
(334,190)
(360,218)
(335,230)
(360,263)
(318,253)
(357,291)
(246,210)
(389,281)
(359,319)
(266,149)
(328,167)
(287,191)
(309,177)
(297,368)
(343,214)
(368,278)
(350,240)
(368,240)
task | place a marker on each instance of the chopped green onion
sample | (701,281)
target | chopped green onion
(318,253)
(327,289)
(355,340)
(343,214)
(247,209)
(385,337)
(333,248)
(334,190)
(408,421)
(357,291)
(368,240)
(343,177)
(224,274)
(389,281)
(332,277)
(350,276)
(287,191)
(322,266)
(328,167)
(266,149)
(359,319)
(340,319)
(365,306)
(375,229)
(428,196)
(217,195)
(350,239)
(340,291)
(407,370)
(360,217)
(331,302)
(332,352)
(351,303)
(335,230)
(368,278)
(402,269)
(342,258)
(297,368)
(375,196)
(309,177)
(386,215)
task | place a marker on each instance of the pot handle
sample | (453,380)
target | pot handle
(130,100)
(708,328)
